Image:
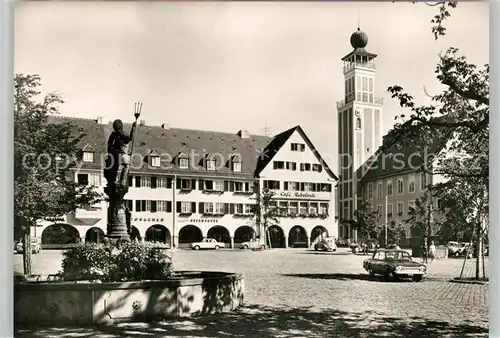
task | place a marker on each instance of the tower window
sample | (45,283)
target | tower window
(358,123)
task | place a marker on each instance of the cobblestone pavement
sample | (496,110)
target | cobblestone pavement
(299,293)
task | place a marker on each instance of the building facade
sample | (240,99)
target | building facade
(303,185)
(185,185)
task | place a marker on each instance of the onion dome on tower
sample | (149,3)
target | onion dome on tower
(359,39)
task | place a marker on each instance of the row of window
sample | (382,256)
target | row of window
(218,208)
(411,186)
(190,184)
(301,208)
(154,182)
(281,165)
(298,186)
(182,161)
(400,208)
(184,207)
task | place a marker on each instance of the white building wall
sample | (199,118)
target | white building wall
(286,154)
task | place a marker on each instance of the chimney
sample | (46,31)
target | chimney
(102,120)
(244,133)
(165,126)
(142,122)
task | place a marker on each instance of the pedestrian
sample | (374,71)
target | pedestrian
(432,251)
(424,252)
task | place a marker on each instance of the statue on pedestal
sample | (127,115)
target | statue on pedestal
(119,152)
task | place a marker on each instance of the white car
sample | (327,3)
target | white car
(35,246)
(207,244)
(253,244)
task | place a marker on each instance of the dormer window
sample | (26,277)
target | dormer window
(88,153)
(210,162)
(236,163)
(154,157)
(88,156)
(210,165)
(155,161)
(183,160)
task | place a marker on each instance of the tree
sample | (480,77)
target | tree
(460,116)
(366,221)
(395,232)
(466,204)
(44,155)
(266,213)
(424,217)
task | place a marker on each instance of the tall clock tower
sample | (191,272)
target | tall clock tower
(359,122)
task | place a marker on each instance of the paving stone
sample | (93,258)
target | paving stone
(299,293)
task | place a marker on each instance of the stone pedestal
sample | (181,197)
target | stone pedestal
(116,229)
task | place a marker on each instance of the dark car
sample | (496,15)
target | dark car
(394,264)
(326,244)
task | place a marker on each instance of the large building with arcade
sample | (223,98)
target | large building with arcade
(185,185)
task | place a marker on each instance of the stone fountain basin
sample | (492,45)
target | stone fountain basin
(188,293)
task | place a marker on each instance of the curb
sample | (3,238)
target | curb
(469,281)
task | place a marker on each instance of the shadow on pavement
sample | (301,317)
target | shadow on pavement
(344,277)
(332,253)
(262,321)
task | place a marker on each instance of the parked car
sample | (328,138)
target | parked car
(207,243)
(326,244)
(394,264)
(253,244)
(36,246)
(371,246)
(342,242)
(461,249)
(454,248)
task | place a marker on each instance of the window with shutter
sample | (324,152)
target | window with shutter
(285,185)
(231,186)
(226,186)
(178,183)
(193,184)
(226,208)
(201,185)
(138,181)
(231,208)
(129,181)
(239,209)
(302,186)
(153,206)
(178,207)
(193,207)
(169,206)
(153,182)
(169,183)
(201,207)
(137,205)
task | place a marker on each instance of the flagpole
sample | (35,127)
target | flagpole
(386,221)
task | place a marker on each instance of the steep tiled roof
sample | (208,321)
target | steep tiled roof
(170,142)
(398,159)
(92,137)
(279,140)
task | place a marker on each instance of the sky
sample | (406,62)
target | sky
(227,66)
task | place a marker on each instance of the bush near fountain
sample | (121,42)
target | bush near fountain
(102,285)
